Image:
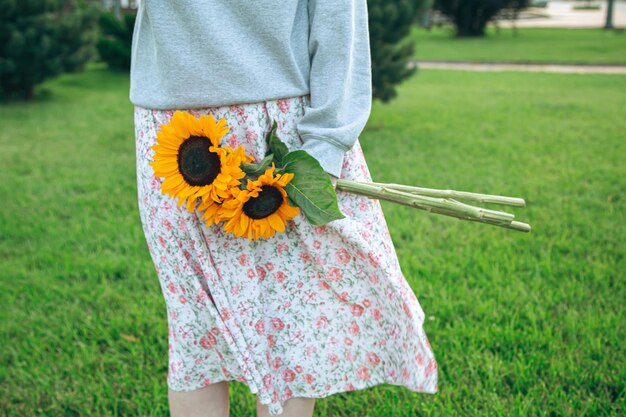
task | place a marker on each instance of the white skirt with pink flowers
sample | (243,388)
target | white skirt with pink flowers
(309,312)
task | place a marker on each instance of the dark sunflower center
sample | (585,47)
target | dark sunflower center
(266,203)
(196,163)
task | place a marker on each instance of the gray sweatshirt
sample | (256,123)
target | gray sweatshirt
(207,53)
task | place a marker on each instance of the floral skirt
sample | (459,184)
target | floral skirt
(308,312)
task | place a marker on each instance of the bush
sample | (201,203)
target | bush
(390,21)
(114,45)
(470,17)
(40,39)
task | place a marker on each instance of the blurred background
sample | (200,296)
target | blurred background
(524,98)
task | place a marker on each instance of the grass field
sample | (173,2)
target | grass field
(530,45)
(521,324)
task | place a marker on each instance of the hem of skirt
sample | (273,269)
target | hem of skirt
(278,407)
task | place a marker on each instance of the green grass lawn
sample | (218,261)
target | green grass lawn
(521,324)
(529,45)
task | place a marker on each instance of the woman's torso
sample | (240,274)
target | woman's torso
(190,54)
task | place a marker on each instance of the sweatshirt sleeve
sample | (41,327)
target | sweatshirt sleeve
(340,80)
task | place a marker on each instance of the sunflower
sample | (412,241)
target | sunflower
(261,209)
(188,155)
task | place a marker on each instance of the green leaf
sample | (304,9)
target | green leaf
(311,189)
(276,146)
(258,169)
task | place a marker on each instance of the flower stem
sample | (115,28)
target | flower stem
(464,195)
(445,206)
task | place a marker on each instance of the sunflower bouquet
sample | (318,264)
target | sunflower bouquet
(255,200)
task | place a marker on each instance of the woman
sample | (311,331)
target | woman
(310,311)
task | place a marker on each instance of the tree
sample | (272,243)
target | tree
(115,43)
(390,21)
(40,39)
(470,17)
(609,15)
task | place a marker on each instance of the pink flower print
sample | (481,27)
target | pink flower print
(405,374)
(376,314)
(349,387)
(277,324)
(432,367)
(225,313)
(269,266)
(332,358)
(267,380)
(347,341)
(186,253)
(281,247)
(334,274)
(243,260)
(182,299)
(374,259)
(363,206)
(407,310)
(251,136)
(209,341)
(420,359)
(236,289)
(309,378)
(356,310)
(280,276)
(288,393)
(372,358)
(298,368)
(288,375)
(171,287)
(275,396)
(321,322)
(283,105)
(215,330)
(319,230)
(260,327)
(363,372)
(277,363)
(353,329)
(162,241)
(270,340)
(261,273)
(323,285)
(317,244)
(366,302)
(310,350)
(305,257)
(343,256)
(343,297)
(233,141)
(166,223)
(250,273)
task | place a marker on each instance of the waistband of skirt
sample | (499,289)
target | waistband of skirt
(306,98)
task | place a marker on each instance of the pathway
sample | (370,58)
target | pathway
(560,68)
